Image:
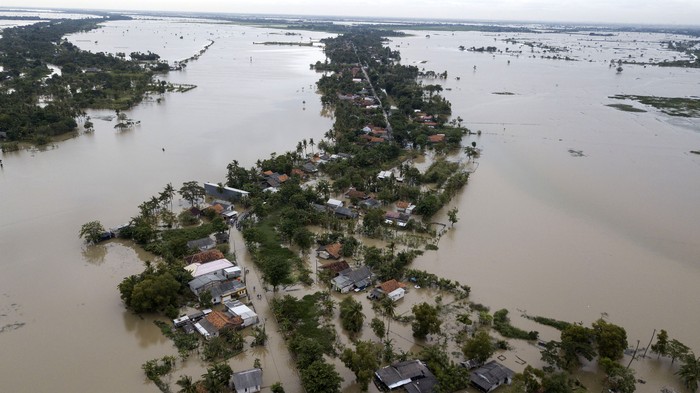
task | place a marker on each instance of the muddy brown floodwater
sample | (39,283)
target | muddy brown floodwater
(614,231)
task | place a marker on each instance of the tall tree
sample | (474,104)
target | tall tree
(661,345)
(351,315)
(217,377)
(191,191)
(610,338)
(320,377)
(427,320)
(186,384)
(478,347)
(363,361)
(690,371)
(91,231)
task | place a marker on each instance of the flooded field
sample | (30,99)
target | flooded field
(612,231)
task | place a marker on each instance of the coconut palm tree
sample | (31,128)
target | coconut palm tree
(690,371)
(186,385)
(389,308)
(311,142)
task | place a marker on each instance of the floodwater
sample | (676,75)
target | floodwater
(60,310)
(613,231)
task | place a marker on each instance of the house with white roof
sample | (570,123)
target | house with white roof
(239,309)
(217,267)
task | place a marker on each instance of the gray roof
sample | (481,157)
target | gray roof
(403,373)
(248,379)
(345,212)
(309,167)
(318,208)
(370,202)
(211,329)
(360,276)
(489,375)
(203,242)
(204,280)
(226,288)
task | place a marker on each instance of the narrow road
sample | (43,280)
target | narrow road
(374,93)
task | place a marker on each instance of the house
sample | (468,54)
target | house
(344,212)
(227,290)
(350,279)
(411,375)
(215,322)
(216,267)
(384,175)
(204,257)
(334,203)
(392,289)
(238,309)
(405,207)
(437,138)
(309,168)
(354,193)
(400,219)
(490,376)
(203,244)
(205,282)
(223,192)
(248,381)
(298,172)
(336,267)
(318,208)
(370,203)
(329,251)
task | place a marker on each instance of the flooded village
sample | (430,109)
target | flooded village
(431,233)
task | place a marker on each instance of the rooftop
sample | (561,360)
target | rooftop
(247,380)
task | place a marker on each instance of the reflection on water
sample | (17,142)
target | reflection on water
(94,254)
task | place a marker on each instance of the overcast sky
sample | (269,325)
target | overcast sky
(606,11)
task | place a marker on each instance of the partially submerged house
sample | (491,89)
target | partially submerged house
(217,267)
(203,244)
(248,381)
(238,309)
(411,375)
(227,290)
(400,219)
(223,192)
(490,376)
(204,257)
(392,289)
(329,251)
(352,279)
(345,213)
(336,267)
(334,204)
(216,321)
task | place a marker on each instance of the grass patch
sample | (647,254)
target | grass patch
(501,323)
(672,106)
(557,324)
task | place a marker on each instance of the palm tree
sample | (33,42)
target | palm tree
(167,195)
(389,308)
(311,142)
(186,385)
(690,372)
